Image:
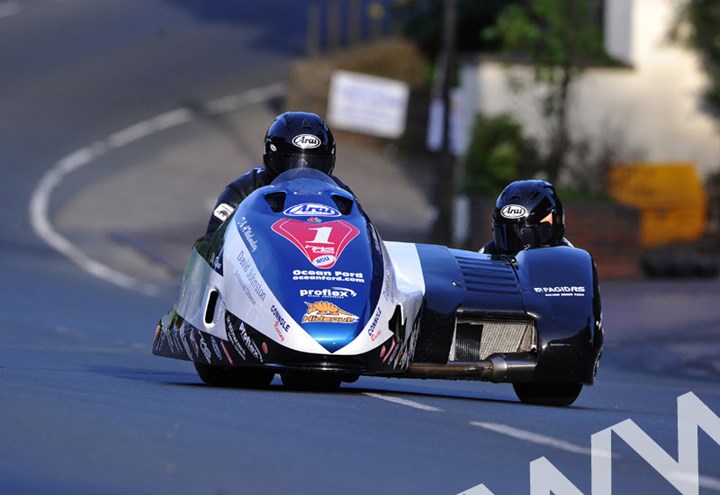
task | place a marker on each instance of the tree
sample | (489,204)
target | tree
(423,24)
(560,39)
(703,19)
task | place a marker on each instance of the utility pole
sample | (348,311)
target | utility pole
(444,192)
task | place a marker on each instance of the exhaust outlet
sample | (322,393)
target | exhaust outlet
(497,368)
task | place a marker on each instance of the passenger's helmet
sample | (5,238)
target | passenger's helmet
(528,213)
(298,140)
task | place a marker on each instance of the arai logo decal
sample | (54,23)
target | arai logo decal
(321,245)
(311,210)
(513,212)
(306,141)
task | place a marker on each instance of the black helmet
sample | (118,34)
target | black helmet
(527,213)
(299,140)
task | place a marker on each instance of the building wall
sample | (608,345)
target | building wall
(652,107)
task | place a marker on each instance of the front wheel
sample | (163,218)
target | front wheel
(226,376)
(548,394)
(309,381)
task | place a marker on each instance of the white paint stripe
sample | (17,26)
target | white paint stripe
(10,8)
(529,436)
(40,199)
(251,97)
(480,489)
(704,481)
(404,402)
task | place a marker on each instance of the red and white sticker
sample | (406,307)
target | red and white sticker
(322,244)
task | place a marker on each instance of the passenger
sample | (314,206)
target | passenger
(528,213)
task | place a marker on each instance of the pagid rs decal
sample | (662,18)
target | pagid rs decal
(561,290)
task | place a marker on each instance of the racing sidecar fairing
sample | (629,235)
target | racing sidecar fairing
(298,282)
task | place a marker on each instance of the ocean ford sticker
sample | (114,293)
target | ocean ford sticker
(306,141)
(513,212)
(321,244)
(311,210)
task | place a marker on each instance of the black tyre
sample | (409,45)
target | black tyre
(548,394)
(325,382)
(225,376)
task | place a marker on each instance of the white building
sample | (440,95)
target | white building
(653,105)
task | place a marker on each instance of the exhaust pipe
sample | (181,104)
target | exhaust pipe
(496,368)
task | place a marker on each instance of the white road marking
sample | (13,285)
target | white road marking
(531,437)
(40,199)
(10,8)
(404,402)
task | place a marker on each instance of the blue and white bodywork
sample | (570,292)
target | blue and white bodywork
(297,281)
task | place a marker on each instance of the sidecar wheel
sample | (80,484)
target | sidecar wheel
(325,382)
(548,394)
(225,376)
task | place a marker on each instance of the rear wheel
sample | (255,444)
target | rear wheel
(226,376)
(548,394)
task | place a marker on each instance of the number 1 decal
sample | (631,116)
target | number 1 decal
(322,236)
(322,246)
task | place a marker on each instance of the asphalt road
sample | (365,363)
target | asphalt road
(86,409)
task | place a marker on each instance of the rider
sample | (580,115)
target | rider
(293,140)
(528,213)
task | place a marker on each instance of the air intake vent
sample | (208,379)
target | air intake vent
(476,339)
(488,275)
(343,204)
(276,201)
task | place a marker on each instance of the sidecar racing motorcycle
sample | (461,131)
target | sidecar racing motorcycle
(298,282)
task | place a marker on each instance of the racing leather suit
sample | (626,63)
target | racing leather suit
(239,189)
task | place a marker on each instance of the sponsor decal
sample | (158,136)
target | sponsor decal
(373,330)
(561,291)
(306,141)
(249,344)
(327,312)
(216,263)
(278,331)
(382,351)
(336,276)
(233,338)
(216,348)
(311,210)
(393,343)
(227,354)
(223,211)
(322,246)
(253,285)
(264,347)
(331,293)
(513,212)
(314,220)
(204,348)
(193,343)
(279,319)
(177,340)
(244,344)
(247,233)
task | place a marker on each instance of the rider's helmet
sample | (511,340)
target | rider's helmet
(528,213)
(298,140)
